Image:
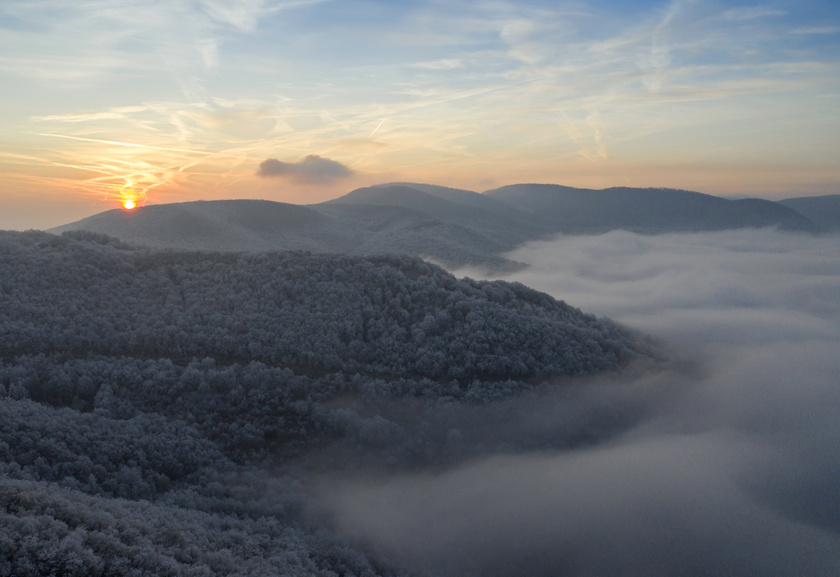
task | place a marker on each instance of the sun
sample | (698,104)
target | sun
(128,204)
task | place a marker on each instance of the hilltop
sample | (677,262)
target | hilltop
(450,226)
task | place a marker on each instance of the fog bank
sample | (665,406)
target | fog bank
(731,466)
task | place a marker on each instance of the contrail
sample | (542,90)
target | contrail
(377,128)
(130,144)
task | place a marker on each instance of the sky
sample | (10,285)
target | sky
(304,100)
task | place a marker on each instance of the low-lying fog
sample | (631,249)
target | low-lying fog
(734,468)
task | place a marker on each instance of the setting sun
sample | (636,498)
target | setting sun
(128,204)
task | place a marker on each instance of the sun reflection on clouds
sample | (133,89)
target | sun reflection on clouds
(127,194)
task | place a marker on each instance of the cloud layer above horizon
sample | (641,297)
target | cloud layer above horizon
(730,461)
(185,99)
(311,169)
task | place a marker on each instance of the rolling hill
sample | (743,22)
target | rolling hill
(644,210)
(823,210)
(230,225)
(451,226)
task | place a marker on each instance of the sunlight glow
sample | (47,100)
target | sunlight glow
(128,195)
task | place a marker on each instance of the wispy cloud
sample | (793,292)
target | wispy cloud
(111,114)
(816,30)
(127,144)
(95,37)
(493,89)
(442,64)
(752,13)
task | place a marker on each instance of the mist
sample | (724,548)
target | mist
(722,459)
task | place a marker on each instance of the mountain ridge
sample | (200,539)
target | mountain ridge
(645,210)
(824,210)
(454,227)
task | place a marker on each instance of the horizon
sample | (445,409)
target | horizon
(302,102)
(122,208)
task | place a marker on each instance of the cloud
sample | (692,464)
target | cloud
(751,13)
(313,169)
(816,30)
(91,39)
(117,113)
(724,460)
(242,14)
(362,144)
(442,64)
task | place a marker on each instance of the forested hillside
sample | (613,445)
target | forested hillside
(389,316)
(160,411)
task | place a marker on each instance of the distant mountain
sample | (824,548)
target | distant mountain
(368,221)
(823,210)
(451,226)
(257,225)
(230,225)
(645,210)
(462,197)
(462,208)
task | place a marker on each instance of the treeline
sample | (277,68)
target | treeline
(391,316)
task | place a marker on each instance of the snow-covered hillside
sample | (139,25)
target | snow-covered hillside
(161,411)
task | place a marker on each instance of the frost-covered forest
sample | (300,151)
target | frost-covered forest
(162,412)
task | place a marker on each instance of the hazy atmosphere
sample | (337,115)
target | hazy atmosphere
(419,289)
(174,101)
(732,465)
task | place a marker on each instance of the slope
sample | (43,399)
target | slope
(161,411)
(463,197)
(454,227)
(383,315)
(645,210)
(254,225)
(221,225)
(464,209)
(823,210)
